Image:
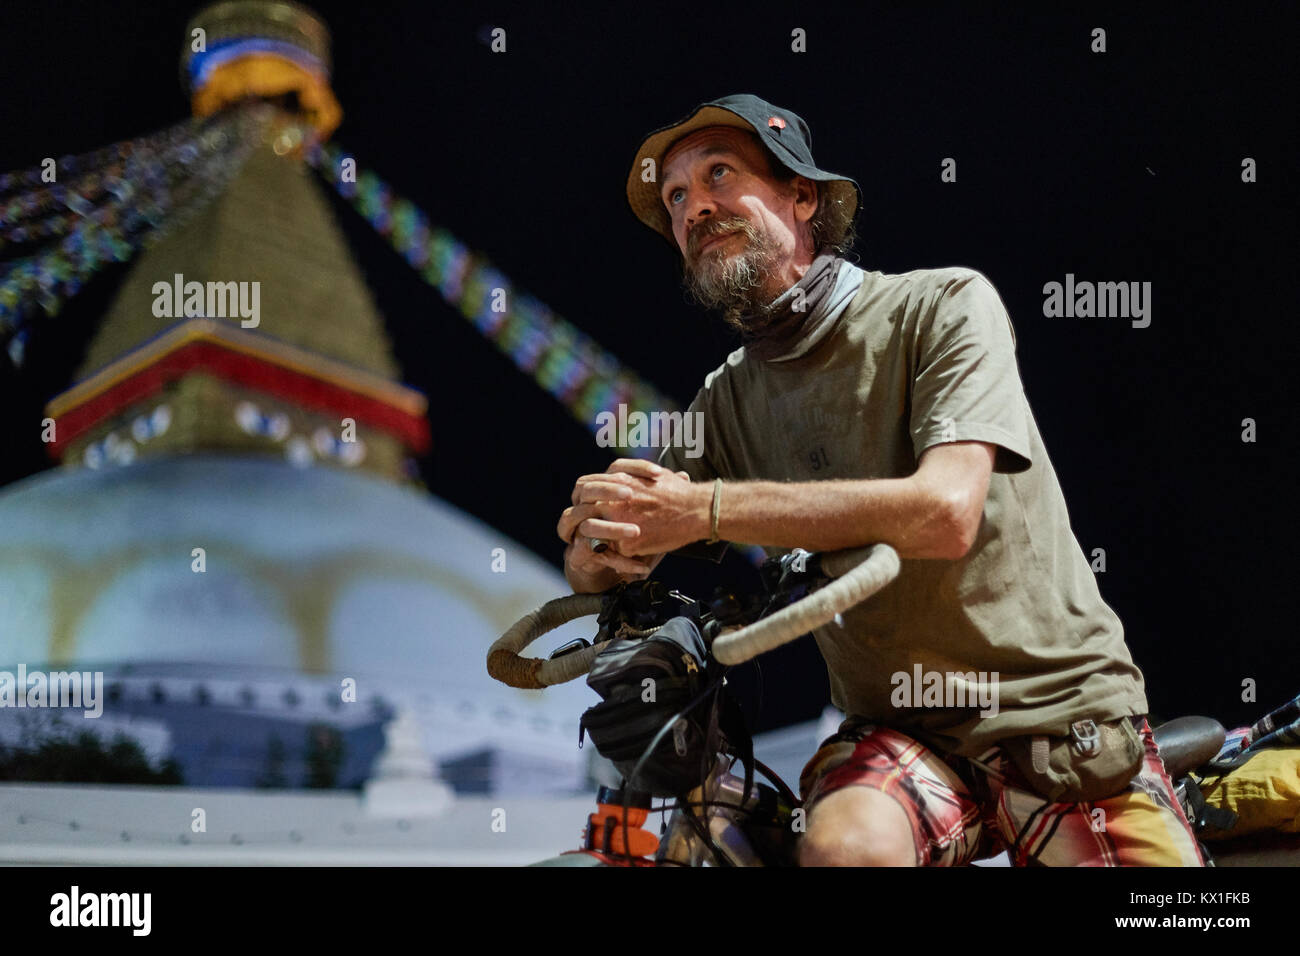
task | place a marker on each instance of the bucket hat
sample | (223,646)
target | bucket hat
(784,135)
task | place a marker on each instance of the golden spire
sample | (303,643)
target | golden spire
(269,49)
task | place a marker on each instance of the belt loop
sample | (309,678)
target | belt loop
(1039,754)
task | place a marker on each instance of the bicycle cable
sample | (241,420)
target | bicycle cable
(654,742)
(702,831)
(668,725)
(782,787)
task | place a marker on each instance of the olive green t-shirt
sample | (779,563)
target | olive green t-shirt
(916,360)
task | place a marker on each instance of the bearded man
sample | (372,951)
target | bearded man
(862,408)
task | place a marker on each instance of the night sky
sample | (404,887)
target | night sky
(1122,166)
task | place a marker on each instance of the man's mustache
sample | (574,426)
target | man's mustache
(704,233)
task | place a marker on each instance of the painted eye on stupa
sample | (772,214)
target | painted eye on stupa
(145,427)
(248,417)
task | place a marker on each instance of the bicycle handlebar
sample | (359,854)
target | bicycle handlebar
(532,673)
(858,572)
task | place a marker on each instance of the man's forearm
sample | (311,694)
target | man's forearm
(829,515)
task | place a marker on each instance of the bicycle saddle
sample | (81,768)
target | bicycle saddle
(1187,742)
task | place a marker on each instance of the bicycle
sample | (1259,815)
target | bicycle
(725,819)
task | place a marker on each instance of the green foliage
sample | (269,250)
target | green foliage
(324,756)
(273,777)
(85,759)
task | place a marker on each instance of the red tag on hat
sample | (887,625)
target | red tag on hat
(776,121)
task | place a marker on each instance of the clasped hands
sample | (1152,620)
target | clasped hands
(638,508)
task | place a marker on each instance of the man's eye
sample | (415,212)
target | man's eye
(716,173)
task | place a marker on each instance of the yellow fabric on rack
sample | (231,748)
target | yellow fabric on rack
(1264,792)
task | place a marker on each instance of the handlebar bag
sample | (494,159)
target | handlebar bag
(645,681)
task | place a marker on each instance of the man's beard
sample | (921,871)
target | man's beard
(735,284)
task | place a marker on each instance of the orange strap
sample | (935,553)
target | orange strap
(639,842)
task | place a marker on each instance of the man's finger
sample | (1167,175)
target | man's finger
(612,559)
(619,478)
(639,467)
(570,518)
(607,481)
(599,528)
(564,527)
(596,492)
(605,478)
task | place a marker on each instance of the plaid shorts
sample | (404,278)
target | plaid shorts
(964,810)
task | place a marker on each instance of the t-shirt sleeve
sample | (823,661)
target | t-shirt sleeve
(695,461)
(967,386)
(691,453)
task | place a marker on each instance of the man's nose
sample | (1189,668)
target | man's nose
(698,208)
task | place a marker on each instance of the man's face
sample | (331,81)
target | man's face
(739,230)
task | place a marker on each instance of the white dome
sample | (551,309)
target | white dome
(306,571)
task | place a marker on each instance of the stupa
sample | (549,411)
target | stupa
(235,535)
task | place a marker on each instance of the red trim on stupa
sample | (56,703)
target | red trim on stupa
(239,367)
